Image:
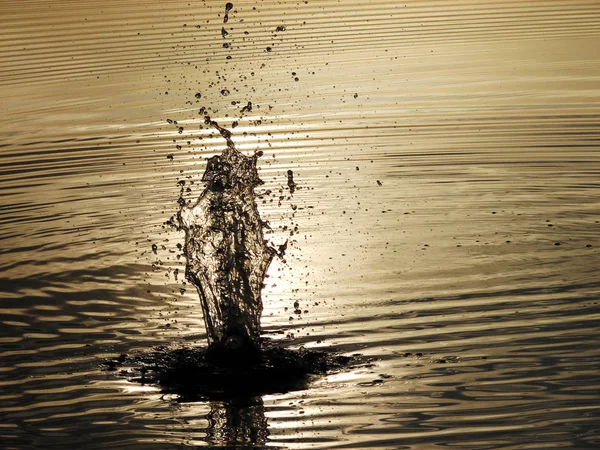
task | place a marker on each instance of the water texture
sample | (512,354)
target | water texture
(442,216)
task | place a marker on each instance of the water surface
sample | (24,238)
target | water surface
(444,221)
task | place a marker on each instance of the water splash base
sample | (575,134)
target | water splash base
(208,374)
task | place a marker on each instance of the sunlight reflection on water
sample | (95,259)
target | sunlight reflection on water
(447,204)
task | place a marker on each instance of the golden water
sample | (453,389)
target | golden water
(442,151)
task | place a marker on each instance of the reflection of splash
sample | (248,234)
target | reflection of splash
(239,423)
(227,257)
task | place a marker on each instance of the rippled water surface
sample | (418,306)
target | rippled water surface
(445,221)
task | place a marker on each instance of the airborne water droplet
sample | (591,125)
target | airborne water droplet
(228,7)
(291,184)
(247,108)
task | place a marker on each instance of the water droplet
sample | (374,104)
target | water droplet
(224,92)
(290,182)
(198,95)
(247,108)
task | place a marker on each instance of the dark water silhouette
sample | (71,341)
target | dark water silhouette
(226,253)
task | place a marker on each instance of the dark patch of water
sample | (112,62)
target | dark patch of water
(210,373)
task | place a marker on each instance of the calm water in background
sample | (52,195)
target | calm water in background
(448,212)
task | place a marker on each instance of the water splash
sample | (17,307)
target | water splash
(227,259)
(227,256)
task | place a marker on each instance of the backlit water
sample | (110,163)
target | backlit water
(444,220)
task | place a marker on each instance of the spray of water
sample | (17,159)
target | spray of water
(227,256)
(227,260)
